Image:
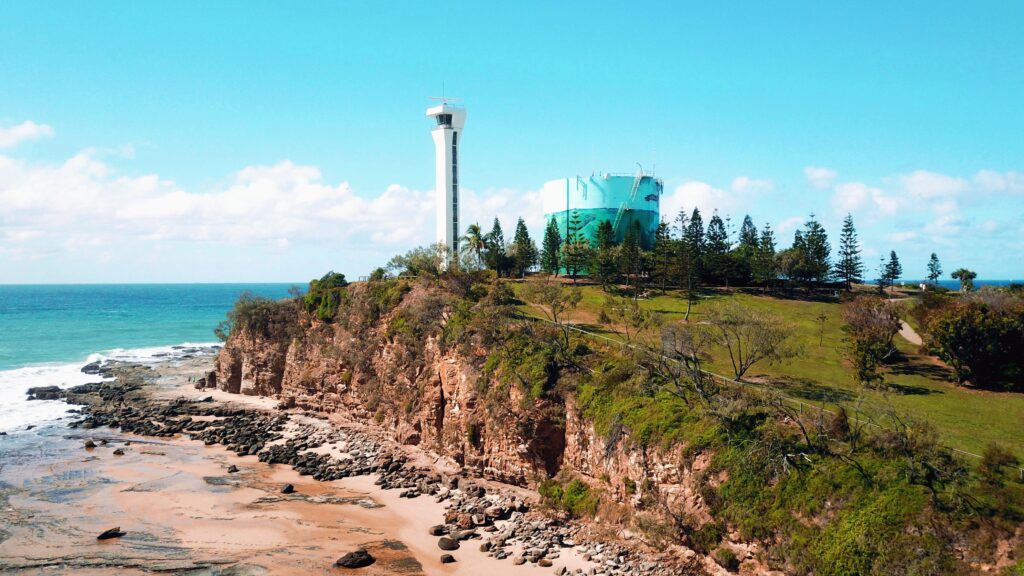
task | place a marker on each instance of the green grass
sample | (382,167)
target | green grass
(966,419)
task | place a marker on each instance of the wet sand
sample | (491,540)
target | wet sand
(183,512)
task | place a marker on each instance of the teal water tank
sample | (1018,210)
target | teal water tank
(621,199)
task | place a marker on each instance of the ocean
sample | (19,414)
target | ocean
(48,332)
(955,284)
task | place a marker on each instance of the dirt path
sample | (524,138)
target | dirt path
(908,334)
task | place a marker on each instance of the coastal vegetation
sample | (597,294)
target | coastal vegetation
(788,391)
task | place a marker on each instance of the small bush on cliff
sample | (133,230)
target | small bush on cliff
(260,317)
(576,497)
(325,295)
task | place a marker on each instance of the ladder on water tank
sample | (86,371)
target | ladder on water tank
(632,198)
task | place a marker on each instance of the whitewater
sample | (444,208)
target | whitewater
(49,332)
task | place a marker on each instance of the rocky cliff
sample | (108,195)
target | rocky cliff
(370,366)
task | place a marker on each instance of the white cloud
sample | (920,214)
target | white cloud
(902,236)
(990,181)
(926,185)
(820,178)
(857,196)
(701,195)
(744,184)
(790,224)
(946,228)
(27,130)
(83,206)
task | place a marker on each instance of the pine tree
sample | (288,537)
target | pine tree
(604,264)
(893,270)
(495,241)
(765,269)
(817,250)
(576,250)
(663,250)
(551,249)
(523,250)
(631,257)
(850,268)
(691,248)
(716,249)
(934,269)
(748,234)
(716,238)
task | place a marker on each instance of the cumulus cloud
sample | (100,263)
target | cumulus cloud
(701,195)
(27,130)
(926,185)
(991,181)
(744,184)
(856,196)
(820,178)
(83,205)
(790,224)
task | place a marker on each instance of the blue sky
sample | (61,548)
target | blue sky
(223,141)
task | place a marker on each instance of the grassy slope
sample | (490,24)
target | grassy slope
(966,419)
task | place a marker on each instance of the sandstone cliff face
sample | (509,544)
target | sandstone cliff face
(434,398)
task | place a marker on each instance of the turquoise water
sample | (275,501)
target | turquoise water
(67,323)
(48,332)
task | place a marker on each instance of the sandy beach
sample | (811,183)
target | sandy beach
(182,510)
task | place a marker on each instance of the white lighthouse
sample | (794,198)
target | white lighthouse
(447,135)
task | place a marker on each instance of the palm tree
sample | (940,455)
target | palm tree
(474,243)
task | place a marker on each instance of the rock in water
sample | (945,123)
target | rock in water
(447,558)
(118,452)
(45,393)
(446,543)
(91,368)
(288,489)
(356,559)
(232,469)
(112,533)
(90,444)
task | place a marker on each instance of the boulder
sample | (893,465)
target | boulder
(91,368)
(45,393)
(112,533)
(446,543)
(358,558)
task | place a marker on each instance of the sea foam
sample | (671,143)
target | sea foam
(17,412)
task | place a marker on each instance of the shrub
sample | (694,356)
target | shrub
(576,498)
(325,295)
(260,317)
(993,459)
(983,344)
(872,323)
(706,538)
(727,559)
(629,485)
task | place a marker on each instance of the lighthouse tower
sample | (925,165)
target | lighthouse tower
(447,135)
